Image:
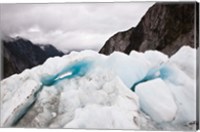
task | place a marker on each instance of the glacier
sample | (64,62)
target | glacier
(90,90)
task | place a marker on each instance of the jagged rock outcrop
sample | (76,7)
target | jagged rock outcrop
(165,27)
(19,54)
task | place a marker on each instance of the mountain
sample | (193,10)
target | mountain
(165,27)
(20,53)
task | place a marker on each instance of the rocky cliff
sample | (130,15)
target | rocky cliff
(165,27)
(19,54)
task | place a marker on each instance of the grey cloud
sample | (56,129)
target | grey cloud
(70,26)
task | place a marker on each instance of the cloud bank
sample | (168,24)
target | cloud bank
(70,26)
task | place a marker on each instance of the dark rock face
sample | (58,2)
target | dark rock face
(165,27)
(19,54)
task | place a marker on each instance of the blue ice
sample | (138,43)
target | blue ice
(75,69)
(162,72)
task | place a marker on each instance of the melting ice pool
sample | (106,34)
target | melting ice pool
(75,69)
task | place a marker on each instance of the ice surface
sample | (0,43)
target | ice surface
(156,100)
(89,90)
(57,102)
(73,99)
(185,59)
(184,91)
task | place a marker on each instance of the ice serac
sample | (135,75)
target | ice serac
(175,87)
(90,90)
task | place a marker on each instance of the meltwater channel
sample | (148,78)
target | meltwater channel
(75,69)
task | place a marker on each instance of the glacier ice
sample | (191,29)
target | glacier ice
(177,78)
(157,94)
(76,69)
(15,100)
(90,90)
(86,94)
(185,60)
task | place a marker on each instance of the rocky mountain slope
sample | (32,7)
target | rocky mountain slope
(165,27)
(19,54)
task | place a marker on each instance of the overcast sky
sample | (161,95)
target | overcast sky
(70,26)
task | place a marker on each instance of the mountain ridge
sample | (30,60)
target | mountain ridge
(20,54)
(165,27)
